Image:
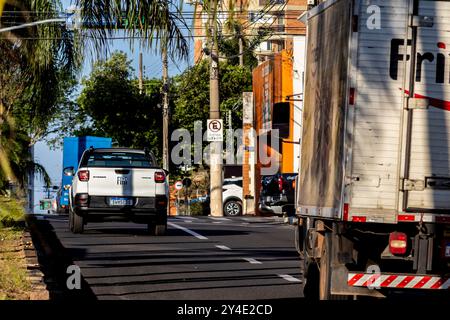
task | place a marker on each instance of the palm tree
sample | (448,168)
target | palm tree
(38,56)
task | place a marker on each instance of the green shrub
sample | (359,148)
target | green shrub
(11,212)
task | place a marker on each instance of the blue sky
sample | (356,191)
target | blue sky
(52,159)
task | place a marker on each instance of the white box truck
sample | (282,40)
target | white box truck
(373,193)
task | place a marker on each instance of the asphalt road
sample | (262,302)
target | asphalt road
(199,258)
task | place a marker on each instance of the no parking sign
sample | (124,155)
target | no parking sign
(215,130)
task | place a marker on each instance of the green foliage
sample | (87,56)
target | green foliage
(229,49)
(112,105)
(37,63)
(192,87)
(11,212)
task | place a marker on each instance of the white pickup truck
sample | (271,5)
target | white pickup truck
(119,184)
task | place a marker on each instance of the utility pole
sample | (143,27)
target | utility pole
(165,93)
(141,84)
(216,157)
(241,51)
(241,47)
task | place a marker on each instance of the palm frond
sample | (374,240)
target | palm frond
(152,21)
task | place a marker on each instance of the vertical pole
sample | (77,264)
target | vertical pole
(248,165)
(141,84)
(214,113)
(165,93)
(241,51)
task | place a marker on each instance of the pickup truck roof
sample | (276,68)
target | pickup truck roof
(119,150)
(90,152)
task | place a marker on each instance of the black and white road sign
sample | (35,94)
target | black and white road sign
(215,130)
(179,185)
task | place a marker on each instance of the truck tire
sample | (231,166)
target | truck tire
(76,222)
(325,269)
(158,229)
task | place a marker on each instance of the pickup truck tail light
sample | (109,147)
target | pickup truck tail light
(398,242)
(280,183)
(160,177)
(83,175)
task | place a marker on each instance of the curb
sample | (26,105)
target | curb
(35,276)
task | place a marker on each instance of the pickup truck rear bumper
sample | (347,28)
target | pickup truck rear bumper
(143,208)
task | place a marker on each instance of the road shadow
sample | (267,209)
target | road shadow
(54,260)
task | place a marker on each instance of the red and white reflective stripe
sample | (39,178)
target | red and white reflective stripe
(397,281)
(427,217)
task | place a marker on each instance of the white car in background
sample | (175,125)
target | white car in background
(232,197)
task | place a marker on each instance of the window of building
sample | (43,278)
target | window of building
(281,117)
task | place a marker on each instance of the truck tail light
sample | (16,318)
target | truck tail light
(398,242)
(280,183)
(160,177)
(83,175)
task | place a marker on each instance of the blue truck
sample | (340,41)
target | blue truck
(73,148)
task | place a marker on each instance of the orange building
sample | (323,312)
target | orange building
(274,109)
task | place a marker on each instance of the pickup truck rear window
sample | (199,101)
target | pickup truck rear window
(117,159)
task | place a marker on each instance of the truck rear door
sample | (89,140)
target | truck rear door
(427,183)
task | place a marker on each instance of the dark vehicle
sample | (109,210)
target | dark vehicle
(278,194)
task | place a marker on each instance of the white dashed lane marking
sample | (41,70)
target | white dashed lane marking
(192,233)
(252,261)
(289,278)
(223,247)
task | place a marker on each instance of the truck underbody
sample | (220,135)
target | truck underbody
(353,259)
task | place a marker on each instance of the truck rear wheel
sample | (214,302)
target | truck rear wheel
(325,266)
(76,223)
(325,269)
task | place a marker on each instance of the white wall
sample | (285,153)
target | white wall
(299,70)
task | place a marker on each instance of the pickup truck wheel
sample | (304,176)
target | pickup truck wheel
(76,222)
(232,208)
(160,229)
(70,220)
(157,229)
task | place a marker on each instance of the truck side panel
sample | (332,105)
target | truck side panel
(430,143)
(320,184)
(378,108)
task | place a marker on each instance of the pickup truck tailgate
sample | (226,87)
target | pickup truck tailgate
(127,182)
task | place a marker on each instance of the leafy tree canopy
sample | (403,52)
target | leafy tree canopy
(192,89)
(111,105)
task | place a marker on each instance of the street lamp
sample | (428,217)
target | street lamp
(32,24)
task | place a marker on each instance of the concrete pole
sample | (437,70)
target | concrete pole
(165,94)
(216,182)
(141,84)
(241,51)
